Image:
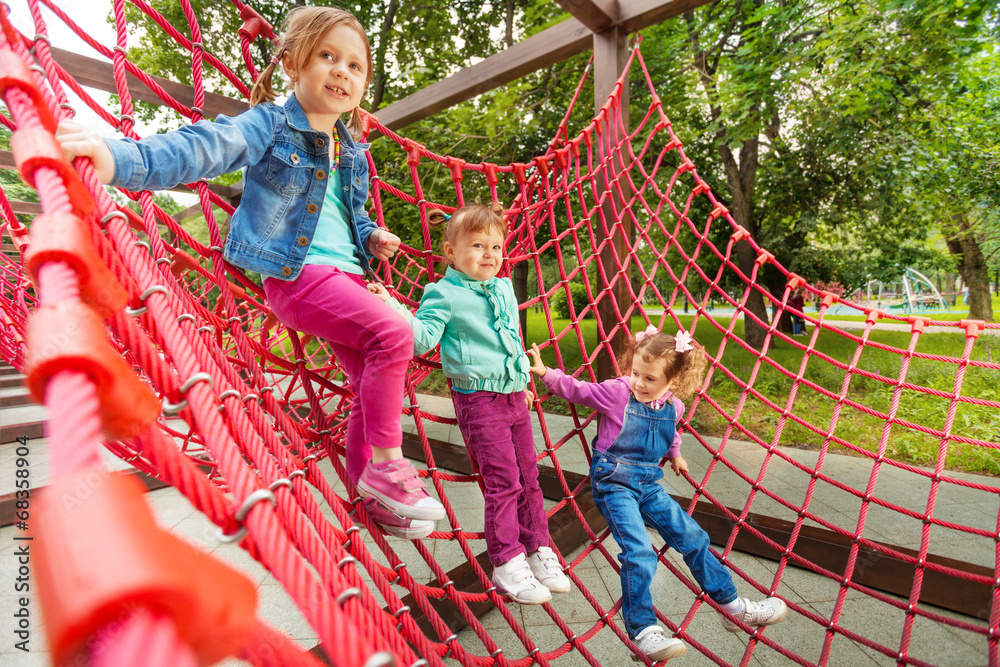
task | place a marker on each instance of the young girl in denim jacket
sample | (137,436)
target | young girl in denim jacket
(473,314)
(638,428)
(302,225)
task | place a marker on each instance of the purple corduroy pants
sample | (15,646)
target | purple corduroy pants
(497,432)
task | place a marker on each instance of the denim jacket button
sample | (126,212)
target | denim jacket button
(312,208)
(303,241)
(357,181)
(320,174)
(320,142)
(294,157)
(286,271)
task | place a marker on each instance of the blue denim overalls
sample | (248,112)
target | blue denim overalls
(626,488)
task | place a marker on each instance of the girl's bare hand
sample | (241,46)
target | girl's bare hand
(383,244)
(379,290)
(679,465)
(537,367)
(81,141)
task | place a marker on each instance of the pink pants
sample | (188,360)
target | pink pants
(370,340)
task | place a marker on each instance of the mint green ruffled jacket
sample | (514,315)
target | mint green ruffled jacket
(476,324)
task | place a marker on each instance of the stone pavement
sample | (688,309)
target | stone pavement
(932,643)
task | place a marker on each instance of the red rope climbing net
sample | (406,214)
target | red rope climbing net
(238,412)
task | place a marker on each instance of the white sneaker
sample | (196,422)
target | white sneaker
(766,612)
(545,566)
(657,646)
(515,580)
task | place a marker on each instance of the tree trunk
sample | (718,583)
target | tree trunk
(519,276)
(508,36)
(741,179)
(378,81)
(740,175)
(964,245)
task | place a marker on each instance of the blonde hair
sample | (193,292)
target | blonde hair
(300,33)
(687,368)
(469,219)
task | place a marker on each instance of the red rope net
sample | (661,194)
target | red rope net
(612,221)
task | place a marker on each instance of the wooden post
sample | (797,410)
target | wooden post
(610,56)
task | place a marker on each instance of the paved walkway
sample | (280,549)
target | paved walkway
(831,320)
(932,643)
(882,325)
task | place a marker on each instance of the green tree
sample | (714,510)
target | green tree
(960,182)
(793,102)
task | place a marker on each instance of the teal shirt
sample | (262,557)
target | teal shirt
(477,326)
(332,245)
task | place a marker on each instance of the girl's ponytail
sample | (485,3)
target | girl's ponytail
(691,372)
(356,124)
(436,217)
(263,87)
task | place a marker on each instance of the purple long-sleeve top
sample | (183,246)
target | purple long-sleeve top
(609,398)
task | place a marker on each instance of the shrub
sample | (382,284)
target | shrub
(560,305)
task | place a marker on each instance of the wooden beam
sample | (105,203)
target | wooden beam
(597,15)
(610,56)
(822,547)
(634,15)
(548,47)
(99,74)
(26,207)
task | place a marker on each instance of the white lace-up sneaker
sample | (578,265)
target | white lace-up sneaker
(515,580)
(766,612)
(545,566)
(657,646)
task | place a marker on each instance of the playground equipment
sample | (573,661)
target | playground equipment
(149,345)
(912,293)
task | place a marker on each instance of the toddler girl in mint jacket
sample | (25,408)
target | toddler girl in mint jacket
(473,315)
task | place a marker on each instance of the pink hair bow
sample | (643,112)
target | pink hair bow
(682,342)
(650,330)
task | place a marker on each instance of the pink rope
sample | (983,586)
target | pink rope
(274,404)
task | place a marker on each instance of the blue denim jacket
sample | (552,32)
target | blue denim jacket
(287,170)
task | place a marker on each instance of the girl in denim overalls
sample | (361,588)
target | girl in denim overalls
(473,315)
(638,428)
(302,225)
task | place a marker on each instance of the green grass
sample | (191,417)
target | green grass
(853,424)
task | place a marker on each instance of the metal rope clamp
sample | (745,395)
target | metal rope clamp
(243,511)
(174,408)
(145,295)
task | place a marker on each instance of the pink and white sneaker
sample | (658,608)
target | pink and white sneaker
(395,525)
(398,487)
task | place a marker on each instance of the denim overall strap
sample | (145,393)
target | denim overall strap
(646,434)
(625,483)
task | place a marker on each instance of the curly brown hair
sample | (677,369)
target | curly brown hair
(686,369)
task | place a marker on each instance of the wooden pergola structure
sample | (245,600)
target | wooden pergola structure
(601,26)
